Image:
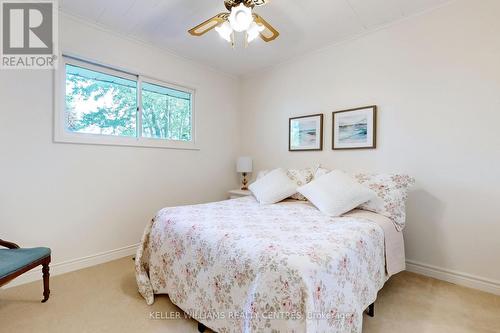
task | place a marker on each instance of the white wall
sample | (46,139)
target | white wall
(436,80)
(82,200)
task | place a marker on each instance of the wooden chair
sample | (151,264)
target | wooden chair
(15,261)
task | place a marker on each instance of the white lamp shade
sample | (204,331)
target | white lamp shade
(244,164)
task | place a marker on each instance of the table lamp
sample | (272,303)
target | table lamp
(244,166)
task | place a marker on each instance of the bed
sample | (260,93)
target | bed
(238,266)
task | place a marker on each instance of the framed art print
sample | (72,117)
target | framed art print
(306,133)
(355,128)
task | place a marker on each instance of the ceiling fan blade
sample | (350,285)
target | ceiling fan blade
(209,24)
(269,34)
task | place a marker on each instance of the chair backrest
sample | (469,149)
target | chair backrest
(8,245)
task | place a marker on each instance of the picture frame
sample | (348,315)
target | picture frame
(305,133)
(355,128)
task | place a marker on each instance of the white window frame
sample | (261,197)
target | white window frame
(62,135)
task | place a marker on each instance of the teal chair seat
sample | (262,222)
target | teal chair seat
(15,261)
(12,260)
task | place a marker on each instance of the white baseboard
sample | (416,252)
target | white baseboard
(74,264)
(455,277)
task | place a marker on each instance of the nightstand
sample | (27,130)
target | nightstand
(235,194)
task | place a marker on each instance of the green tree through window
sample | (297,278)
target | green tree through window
(166,113)
(103,104)
(98,103)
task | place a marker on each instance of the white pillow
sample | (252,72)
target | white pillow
(273,187)
(299,176)
(262,174)
(336,193)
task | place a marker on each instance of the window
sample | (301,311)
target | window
(99,105)
(166,113)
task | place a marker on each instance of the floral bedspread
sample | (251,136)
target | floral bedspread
(237,266)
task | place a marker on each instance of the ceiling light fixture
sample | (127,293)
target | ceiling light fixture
(225,31)
(239,19)
(254,31)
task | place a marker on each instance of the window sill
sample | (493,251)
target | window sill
(84,139)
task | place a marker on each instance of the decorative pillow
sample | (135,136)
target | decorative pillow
(336,193)
(301,177)
(273,187)
(391,191)
(320,171)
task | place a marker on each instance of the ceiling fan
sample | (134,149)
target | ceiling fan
(240,18)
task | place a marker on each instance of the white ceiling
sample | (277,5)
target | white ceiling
(305,25)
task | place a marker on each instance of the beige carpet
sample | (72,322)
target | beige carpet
(104,299)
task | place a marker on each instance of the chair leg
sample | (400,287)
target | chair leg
(46,275)
(371,310)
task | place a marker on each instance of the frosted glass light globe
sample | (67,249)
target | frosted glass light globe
(254,31)
(225,31)
(240,18)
